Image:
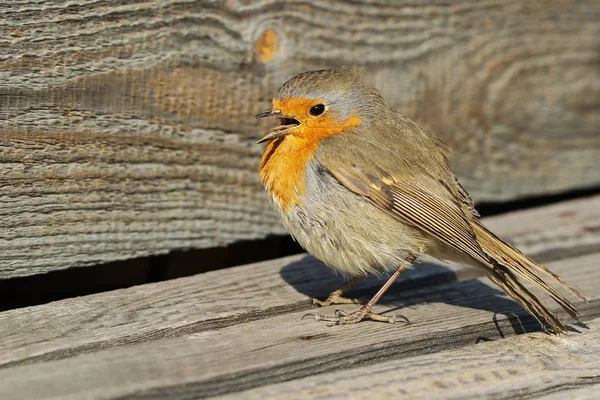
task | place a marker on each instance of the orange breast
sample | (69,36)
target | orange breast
(284,161)
(282,168)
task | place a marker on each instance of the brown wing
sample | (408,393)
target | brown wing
(420,201)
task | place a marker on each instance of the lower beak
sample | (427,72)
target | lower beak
(274,135)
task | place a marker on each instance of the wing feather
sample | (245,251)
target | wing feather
(413,201)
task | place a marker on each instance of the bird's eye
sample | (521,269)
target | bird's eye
(317,110)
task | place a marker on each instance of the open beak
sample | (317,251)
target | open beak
(287,123)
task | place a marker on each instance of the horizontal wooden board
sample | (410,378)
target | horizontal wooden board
(586,392)
(206,361)
(241,294)
(522,367)
(126,129)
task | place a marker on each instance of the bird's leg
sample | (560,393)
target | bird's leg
(335,297)
(365,312)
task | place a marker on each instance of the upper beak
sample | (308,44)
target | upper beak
(270,113)
(278,131)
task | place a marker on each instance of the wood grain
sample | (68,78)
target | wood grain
(587,392)
(521,367)
(232,296)
(208,362)
(126,129)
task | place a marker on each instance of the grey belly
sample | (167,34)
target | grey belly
(346,231)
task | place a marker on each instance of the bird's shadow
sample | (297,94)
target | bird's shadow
(427,282)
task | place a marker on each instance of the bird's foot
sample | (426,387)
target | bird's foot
(343,318)
(335,298)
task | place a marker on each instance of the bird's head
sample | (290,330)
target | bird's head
(318,104)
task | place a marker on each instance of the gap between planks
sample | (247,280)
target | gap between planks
(284,348)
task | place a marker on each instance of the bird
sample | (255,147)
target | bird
(367,191)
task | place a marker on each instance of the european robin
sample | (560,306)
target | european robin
(367,191)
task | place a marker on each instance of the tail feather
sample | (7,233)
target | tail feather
(504,278)
(507,260)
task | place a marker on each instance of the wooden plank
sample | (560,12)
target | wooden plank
(584,393)
(209,362)
(521,367)
(222,298)
(126,129)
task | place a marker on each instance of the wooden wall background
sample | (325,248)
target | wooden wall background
(126,128)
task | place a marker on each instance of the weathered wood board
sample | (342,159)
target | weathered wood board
(205,361)
(585,392)
(520,367)
(126,129)
(242,294)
